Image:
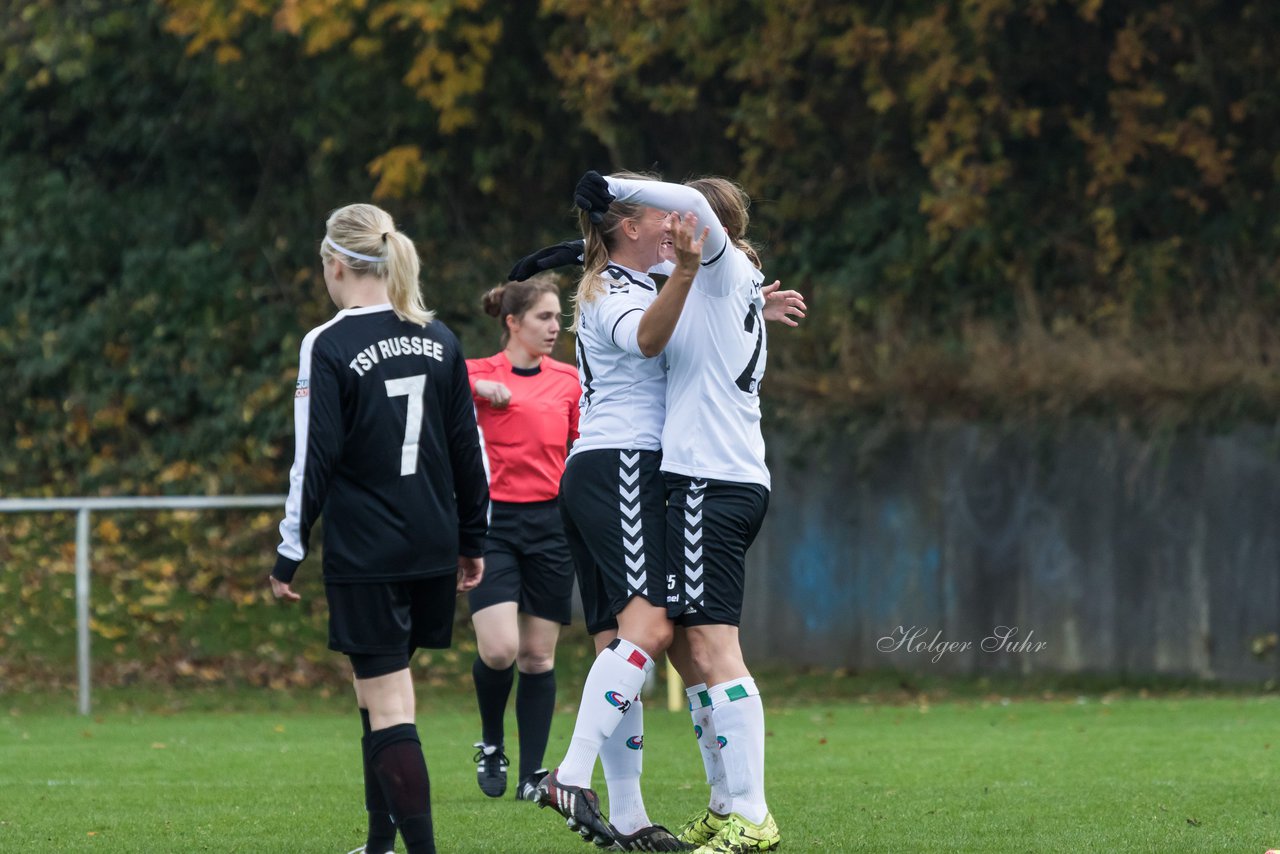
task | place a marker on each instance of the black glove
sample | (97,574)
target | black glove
(592,195)
(547,258)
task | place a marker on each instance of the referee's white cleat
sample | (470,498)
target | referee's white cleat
(580,807)
(361,850)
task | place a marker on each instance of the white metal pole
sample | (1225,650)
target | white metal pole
(82,506)
(82,605)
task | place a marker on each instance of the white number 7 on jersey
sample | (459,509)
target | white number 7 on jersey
(411,387)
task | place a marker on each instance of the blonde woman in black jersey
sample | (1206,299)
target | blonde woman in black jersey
(387,450)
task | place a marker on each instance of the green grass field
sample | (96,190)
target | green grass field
(1171,774)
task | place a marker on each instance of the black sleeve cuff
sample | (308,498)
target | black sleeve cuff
(284,569)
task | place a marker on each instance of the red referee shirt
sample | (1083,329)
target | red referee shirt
(527,442)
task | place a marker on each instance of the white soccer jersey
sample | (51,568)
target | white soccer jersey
(717,355)
(623,393)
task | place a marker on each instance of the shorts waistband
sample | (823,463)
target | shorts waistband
(525,505)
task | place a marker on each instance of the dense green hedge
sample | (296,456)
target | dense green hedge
(947,181)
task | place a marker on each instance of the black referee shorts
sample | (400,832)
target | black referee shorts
(614,508)
(710,526)
(380,624)
(526,561)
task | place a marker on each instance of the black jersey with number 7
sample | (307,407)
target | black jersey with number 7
(386,449)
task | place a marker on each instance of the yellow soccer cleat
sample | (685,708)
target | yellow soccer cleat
(702,828)
(739,836)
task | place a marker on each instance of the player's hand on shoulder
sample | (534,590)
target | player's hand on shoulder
(281,590)
(564,254)
(470,571)
(782,305)
(592,195)
(498,395)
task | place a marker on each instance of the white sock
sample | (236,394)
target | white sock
(622,759)
(739,719)
(704,728)
(614,680)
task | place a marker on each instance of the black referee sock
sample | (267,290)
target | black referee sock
(382,830)
(535,705)
(396,754)
(493,688)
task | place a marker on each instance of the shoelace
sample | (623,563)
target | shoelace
(736,831)
(498,756)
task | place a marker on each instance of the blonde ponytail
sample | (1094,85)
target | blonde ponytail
(595,257)
(403,268)
(364,237)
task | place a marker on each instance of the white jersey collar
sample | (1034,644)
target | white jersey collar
(634,275)
(366,309)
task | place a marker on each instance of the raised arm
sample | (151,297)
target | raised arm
(659,321)
(594,193)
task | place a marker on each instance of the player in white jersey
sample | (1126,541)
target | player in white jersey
(717,494)
(780,306)
(613,504)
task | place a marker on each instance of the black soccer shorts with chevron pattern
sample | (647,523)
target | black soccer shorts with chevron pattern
(613,503)
(710,526)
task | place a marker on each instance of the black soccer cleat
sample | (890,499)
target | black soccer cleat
(527,790)
(491,769)
(655,837)
(580,808)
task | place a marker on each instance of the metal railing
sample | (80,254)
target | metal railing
(82,508)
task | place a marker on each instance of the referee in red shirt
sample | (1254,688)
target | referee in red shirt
(527,409)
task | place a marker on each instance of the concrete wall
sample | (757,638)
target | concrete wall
(1107,552)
